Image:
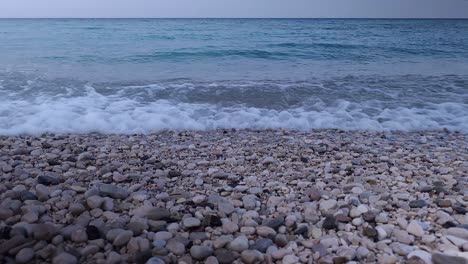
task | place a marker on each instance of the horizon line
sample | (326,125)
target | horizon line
(414,18)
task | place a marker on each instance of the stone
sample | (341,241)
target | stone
(252,256)
(30,217)
(89,250)
(230,227)
(79,236)
(329,222)
(27,195)
(163,235)
(157,213)
(25,255)
(94,202)
(211,260)
(290,259)
(419,257)
(275,222)
(198,199)
(327,205)
(415,229)
(370,232)
(239,244)
(93,232)
(177,248)
(113,191)
(225,256)
(266,231)
(201,252)
(122,238)
(401,249)
(76,209)
(190,222)
(249,202)
(155,260)
(440,258)
(262,244)
(47,180)
(346,252)
(225,207)
(64,258)
(458,232)
(417,204)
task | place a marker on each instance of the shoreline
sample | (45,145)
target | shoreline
(235,196)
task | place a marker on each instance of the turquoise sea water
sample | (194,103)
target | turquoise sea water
(144,75)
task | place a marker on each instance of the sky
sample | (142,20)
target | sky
(235,8)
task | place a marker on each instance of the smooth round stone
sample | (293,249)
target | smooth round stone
(211,260)
(25,255)
(155,260)
(177,248)
(122,238)
(76,209)
(252,256)
(417,204)
(199,199)
(163,235)
(201,252)
(64,258)
(94,202)
(266,231)
(290,259)
(369,232)
(79,236)
(159,243)
(191,222)
(330,222)
(230,227)
(239,244)
(262,244)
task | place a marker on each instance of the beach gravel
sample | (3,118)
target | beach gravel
(235,196)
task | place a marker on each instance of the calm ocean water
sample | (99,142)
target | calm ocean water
(144,75)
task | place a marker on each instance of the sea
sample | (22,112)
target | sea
(132,76)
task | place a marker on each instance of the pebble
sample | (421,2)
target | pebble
(415,229)
(191,222)
(252,256)
(64,258)
(239,244)
(201,252)
(122,238)
(25,255)
(225,196)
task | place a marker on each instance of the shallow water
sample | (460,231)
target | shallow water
(143,75)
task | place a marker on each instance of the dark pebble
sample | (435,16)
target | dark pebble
(302,230)
(329,222)
(460,209)
(262,244)
(343,218)
(369,216)
(93,232)
(417,204)
(174,173)
(212,220)
(27,195)
(225,256)
(274,222)
(47,180)
(369,232)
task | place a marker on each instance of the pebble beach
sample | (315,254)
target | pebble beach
(235,196)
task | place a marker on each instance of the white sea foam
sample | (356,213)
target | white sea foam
(94,112)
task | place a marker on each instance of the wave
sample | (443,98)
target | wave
(97,113)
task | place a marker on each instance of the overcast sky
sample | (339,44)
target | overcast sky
(234,8)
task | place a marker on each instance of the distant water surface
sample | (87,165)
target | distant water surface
(144,75)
